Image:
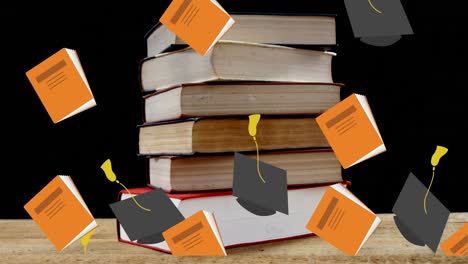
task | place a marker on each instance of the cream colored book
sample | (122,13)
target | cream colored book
(236,61)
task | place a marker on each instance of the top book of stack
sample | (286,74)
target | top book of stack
(299,30)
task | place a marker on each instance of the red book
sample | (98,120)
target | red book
(237,226)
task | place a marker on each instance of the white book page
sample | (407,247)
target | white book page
(90,227)
(76,61)
(70,185)
(374,225)
(85,106)
(365,105)
(376,151)
(210,217)
(353,198)
(232,217)
(225,28)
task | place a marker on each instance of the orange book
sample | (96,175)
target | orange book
(197,235)
(343,220)
(351,131)
(200,23)
(457,244)
(61,85)
(61,213)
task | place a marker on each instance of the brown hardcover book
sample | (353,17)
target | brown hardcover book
(214,172)
(215,135)
(240,98)
(236,61)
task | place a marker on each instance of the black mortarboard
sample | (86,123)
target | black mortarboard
(147,226)
(256,196)
(378,22)
(411,219)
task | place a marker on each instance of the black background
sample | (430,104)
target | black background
(414,87)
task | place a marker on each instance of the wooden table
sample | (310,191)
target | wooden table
(21,241)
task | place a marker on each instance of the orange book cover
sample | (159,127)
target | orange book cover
(60,212)
(61,85)
(197,235)
(342,220)
(457,244)
(351,130)
(200,23)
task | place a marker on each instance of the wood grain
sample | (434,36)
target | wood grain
(21,241)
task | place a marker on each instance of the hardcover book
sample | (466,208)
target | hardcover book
(215,135)
(236,61)
(214,172)
(299,29)
(238,226)
(240,98)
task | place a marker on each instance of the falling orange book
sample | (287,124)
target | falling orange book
(61,213)
(457,244)
(200,23)
(351,130)
(61,85)
(343,220)
(197,235)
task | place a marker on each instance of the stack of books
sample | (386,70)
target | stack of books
(196,115)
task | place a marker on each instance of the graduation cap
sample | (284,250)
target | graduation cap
(378,22)
(147,226)
(255,195)
(414,224)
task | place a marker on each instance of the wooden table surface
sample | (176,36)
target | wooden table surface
(21,241)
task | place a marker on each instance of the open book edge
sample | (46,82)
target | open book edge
(76,61)
(353,198)
(71,185)
(381,148)
(212,221)
(91,103)
(365,105)
(226,27)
